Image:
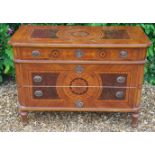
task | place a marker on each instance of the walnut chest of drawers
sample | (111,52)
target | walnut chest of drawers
(77,68)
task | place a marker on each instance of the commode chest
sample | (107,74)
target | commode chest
(78,68)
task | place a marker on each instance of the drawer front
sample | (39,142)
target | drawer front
(80,54)
(79,86)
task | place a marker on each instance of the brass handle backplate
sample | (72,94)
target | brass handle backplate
(79,104)
(35,53)
(119,94)
(79,69)
(123,54)
(79,53)
(37,78)
(38,93)
(121,79)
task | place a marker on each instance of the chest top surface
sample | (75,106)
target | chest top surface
(80,36)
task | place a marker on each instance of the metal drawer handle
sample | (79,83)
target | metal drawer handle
(119,94)
(123,54)
(37,78)
(121,79)
(79,69)
(79,53)
(79,104)
(38,93)
(35,53)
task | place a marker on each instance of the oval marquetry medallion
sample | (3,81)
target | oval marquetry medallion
(77,34)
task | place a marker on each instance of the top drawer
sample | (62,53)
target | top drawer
(80,54)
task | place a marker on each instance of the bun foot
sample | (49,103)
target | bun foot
(134,122)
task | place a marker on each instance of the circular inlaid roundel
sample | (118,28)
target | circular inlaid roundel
(55,53)
(102,53)
(79,86)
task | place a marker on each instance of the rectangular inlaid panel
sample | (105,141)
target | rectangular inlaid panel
(112,93)
(115,34)
(45,79)
(113,80)
(44,33)
(47,93)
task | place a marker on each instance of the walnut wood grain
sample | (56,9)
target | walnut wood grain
(91,74)
(48,93)
(135,116)
(88,54)
(24,116)
(79,64)
(27,108)
(69,36)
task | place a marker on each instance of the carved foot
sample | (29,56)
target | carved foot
(134,122)
(24,117)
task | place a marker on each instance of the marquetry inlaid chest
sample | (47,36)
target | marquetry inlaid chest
(77,68)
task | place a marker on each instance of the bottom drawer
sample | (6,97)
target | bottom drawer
(62,97)
(79,92)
